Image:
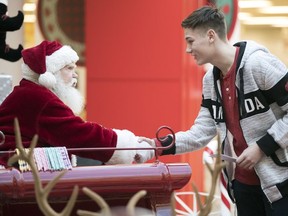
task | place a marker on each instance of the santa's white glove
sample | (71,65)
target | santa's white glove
(125,139)
(144,155)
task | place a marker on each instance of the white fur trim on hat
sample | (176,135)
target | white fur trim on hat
(54,63)
(60,58)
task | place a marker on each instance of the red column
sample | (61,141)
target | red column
(138,74)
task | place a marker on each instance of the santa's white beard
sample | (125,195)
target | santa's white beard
(69,95)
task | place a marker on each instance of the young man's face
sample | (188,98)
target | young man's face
(69,75)
(198,45)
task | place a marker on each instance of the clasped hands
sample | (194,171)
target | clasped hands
(144,155)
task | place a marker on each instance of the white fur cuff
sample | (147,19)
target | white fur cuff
(125,139)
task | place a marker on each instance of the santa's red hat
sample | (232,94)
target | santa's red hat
(46,59)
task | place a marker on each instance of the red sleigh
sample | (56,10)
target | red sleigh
(116,184)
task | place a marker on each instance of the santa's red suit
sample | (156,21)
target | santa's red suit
(41,112)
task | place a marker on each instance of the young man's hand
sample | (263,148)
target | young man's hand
(250,157)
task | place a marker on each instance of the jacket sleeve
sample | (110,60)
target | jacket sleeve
(199,135)
(204,128)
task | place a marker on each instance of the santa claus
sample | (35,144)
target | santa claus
(46,103)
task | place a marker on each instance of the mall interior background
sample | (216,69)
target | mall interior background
(136,74)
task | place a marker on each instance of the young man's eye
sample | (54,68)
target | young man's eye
(190,41)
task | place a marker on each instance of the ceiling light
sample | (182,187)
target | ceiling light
(265,20)
(274,10)
(254,4)
(244,15)
(280,25)
(29,18)
(29,7)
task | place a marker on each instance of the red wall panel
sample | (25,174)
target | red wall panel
(138,74)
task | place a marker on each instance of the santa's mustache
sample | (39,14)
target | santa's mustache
(74,82)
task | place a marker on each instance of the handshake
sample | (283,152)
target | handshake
(139,149)
(143,155)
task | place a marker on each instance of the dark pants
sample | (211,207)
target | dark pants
(251,201)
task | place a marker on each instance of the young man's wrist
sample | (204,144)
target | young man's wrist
(164,142)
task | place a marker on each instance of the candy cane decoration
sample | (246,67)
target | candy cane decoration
(210,149)
(225,199)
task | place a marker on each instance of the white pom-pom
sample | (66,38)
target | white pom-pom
(47,80)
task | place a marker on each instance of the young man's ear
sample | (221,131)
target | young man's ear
(211,35)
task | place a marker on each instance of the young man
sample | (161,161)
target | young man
(244,98)
(46,103)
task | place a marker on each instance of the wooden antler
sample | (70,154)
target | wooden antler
(219,165)
(105,209)
(130,208)
(40,192)
(173,204)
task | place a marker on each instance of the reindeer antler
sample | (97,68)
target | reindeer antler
(40,192)
(105,209)
(219,165)
(130,208)
(173,204)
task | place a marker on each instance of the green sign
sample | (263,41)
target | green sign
(230,9)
